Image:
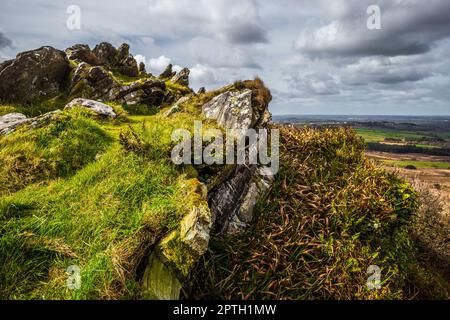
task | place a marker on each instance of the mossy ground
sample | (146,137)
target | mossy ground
(79,192)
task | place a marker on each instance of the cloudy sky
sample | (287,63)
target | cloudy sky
(317,57)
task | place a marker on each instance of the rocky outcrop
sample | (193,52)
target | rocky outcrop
(232,110)
(167,73)
(182,77)
(104,54)
(33,75)
(125,62)
(99,84)
(82,53)
(98,107)
(142,67)
(234,199)
(238,188)
(84,73)
(201,90)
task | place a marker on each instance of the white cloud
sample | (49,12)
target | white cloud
(157,65)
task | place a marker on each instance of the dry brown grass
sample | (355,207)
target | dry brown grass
(329,217)
(261,94)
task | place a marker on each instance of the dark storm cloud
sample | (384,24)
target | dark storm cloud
(408,28)
(247,33)
(4,41)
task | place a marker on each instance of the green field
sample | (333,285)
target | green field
(378,135)
(418,164)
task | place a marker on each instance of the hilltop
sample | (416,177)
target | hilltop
(87,183)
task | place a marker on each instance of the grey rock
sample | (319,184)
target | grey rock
(232,110)
(141,66)
(106,53)
(97,107)
(195,230)
(10,122)
(201,90)
(82,53)
(233,201)
(235,192)
(177,106)
(98,84)
(11,117)
(182,77)
(125,62)
(167,73)
(33,75)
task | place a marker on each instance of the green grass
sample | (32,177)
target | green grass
(70,141)
(418,164)
(80,195)
(35,109)
(378,135)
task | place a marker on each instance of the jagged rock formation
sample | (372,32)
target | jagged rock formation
(80,72)
(182,77)
(201,90)
(82,53)
(87,78)
(98,84)
(141,67)
(232,110)
(33,75)
(232,200)
(167,73)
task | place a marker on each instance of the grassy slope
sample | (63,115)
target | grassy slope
(329,217)
(77,197)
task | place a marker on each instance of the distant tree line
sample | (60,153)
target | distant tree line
(373,146)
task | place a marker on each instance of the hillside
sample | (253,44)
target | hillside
(87,184)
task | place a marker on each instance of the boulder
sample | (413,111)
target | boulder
(141,67)
(10,122)
(105,53)
(232,202)
(201,90)
(98,107)
(125,62)
(33,75)
(182,77)
(232,110)
(235,192)
(11,117)
(167,73)
(82,53)
(92,83)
